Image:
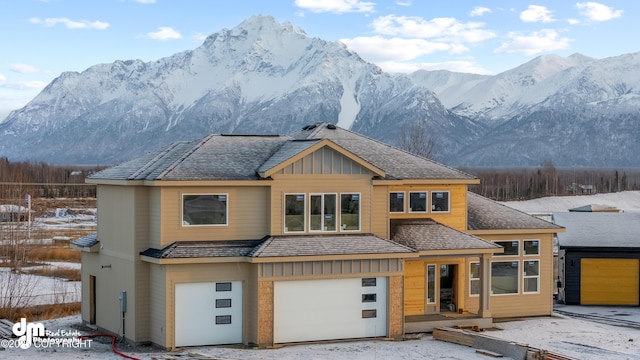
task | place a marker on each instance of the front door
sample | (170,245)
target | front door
(441,288)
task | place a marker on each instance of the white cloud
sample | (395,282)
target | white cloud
(479,11)
(403,3)
(23,68)
(336,6)
(598,12)
(70,24)
(2,78)
(145,1)
(165,33)
(377,48)
(199,36)
(536,13)
(573,21)
(536,42)
(440,29)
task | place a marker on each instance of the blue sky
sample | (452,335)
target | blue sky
(43,38)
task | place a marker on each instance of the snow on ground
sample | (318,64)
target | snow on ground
(628,201)
(573,337)
(37,290)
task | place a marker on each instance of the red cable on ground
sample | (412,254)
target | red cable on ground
(113,344)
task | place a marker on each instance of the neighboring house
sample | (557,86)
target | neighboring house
(595,208)
(320,235)
(13,213)
(599,258)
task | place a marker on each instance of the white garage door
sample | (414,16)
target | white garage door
(308,310)
(208,313)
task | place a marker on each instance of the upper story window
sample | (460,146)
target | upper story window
(396,202)
(294,214)
(439,201)
(322,212)
(418,201)
(350,212)
(204,209)
(511,248)
(531,247)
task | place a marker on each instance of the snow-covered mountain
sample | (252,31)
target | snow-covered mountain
(268,77)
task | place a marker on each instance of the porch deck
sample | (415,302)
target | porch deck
(428,322)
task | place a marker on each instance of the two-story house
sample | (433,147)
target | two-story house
(322,234)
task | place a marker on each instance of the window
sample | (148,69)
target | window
(504,277)
(367,314)
(474,278)
(294,205)
(368,282)
(223,319)
(396,202)
(440,201)
(418,201)
(531,276)
(531,247)
(510,248)
(204,209)
(431,284)
(323,212)
(223,303)
(350,212)
(369,298)
(225,286)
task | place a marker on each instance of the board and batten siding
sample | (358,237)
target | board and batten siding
(455,218)
(221,272)
(247,218)
(314,184)
(522,304)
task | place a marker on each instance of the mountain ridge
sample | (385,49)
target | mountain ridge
(266,77)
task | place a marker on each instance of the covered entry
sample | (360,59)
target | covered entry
(328,309)
(609,281)
(208,313)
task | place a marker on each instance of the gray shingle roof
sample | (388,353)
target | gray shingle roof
(486,214)
(241,157)
(397,164)
(204,249)
(319,245)
(287,151)
(599,229)
(426,235)
(216,157)
(87,241)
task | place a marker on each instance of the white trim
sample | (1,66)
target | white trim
(524,277)
(479,278)
(518,277)
(523,247)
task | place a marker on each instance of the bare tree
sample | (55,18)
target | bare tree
(416,139)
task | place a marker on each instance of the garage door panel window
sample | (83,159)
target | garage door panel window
(531,247)
(369,298)
(504,277)
(366,282)
(204,209)
(368,314)
(223,320)
(531,276)
(223,303)
(225,286)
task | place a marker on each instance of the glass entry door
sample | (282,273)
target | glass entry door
(441,288)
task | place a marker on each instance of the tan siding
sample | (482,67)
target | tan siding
(141,288)
(456,218)
(414,287)
(285,184)
(116,218)
(210,273)
(538,304)
(155,206)
(158,305)
(380,211)
(248,216)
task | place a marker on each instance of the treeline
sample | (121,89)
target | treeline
(547,180)
(43,180)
